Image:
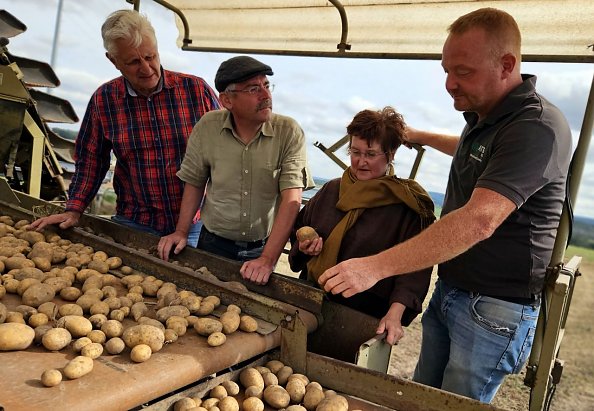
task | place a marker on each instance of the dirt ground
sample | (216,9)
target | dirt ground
(575,392)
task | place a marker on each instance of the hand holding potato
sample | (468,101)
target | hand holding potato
(310,242)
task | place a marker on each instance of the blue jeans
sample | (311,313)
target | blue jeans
(471,341)
(193,235)
(234,250)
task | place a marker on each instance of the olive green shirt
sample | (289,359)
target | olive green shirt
(244,181)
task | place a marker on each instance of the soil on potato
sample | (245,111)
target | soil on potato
(575,392)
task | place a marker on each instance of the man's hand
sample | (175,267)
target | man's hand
(258,270)
(64,220)
(166,243)
(391,324)
(311,247)
(349,277)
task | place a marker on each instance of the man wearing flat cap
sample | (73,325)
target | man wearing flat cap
(252,162)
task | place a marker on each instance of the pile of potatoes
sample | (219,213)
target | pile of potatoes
(273,385)
(93,303)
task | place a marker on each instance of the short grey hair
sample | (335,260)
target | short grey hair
(128,25)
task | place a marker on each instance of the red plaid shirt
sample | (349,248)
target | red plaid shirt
(148,137)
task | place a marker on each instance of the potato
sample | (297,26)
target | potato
(112,328)
(78,367)
(207,326)
(333,403)
(100,307)
(70,293)
(56,339)
(216,301)
(43,263)
(77,325)
(26,310)
(261,369)
(235,308)
(170,336)
(98,320)
(209,403)
(29,272)
(15,336)
(70,309)
(306,233)
(215,339)
(283,374)
(248,324)
(313,384)
(274,365)
(94,281)
(15,317)
(11,285)
(295,407)
(184,404)
(276,396)
(231,387)
(115,345)
(78,345)
(175,310)
(301,377)
(144,334)
(25,283)
(97,336)
(85,301)
(253,404)
(51,378)
(254,391)
(140,353)
(312,398)
(228,404)
(3,312)
(138,310)
(38,294)
(296,389)
(151,321)
(114,262)
(206,308)
(57,283)
(218,392)
(269,379)
(179,326)
(100,266)
(230,321)
(40,331)
(38,319)
(92,350)
(117,315)
(2,288)
(250,376)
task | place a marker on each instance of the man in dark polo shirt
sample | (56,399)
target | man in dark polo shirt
(503,203)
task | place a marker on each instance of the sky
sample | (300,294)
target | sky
(323,95)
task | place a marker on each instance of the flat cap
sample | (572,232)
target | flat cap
(238,69)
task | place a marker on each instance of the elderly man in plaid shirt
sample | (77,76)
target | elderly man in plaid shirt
(145,118)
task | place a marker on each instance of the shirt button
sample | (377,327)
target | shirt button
(245,193)
(245,171)
(244,214)
(243,233)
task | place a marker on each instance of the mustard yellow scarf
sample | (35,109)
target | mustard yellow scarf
(355,196)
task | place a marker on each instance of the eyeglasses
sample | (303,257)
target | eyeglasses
(370,155)
(253,90)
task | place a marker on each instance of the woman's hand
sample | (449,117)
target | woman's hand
(391,324)
(311,247)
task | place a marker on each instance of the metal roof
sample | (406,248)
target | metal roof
(553,30)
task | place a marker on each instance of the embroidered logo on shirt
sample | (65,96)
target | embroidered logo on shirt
(477,152)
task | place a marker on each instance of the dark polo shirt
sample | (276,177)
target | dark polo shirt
(522,151)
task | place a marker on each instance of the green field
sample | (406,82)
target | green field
(586,253)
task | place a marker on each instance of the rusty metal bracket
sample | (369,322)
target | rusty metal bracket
(294,343)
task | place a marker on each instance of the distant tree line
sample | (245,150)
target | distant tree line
(582,234)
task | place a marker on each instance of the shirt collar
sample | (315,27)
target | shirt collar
(165,81)
(511,103)
(265,130)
